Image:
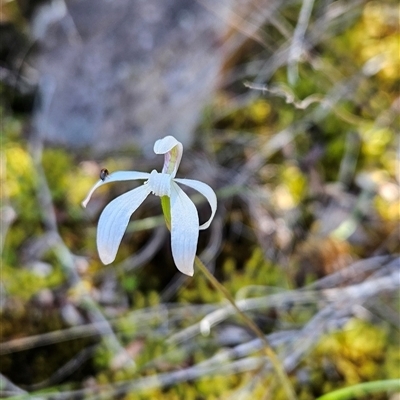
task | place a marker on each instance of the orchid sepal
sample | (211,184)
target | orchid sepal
(207,192)
(172,150)
(115,177)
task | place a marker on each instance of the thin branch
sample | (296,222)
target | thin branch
(141,319)
(296,47)
(270,353)
(156,381)
(66,370)
(7,386)
(64,255)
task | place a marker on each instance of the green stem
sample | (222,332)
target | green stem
(276,363)
(362,389)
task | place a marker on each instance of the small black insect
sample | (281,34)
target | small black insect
(104,173)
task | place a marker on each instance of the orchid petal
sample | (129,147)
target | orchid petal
(115,177)
(207,192)
(184,230)
(173,150)
(114,219)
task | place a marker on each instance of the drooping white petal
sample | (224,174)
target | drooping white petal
(114,219)
(173,151)
(184,230)
(207,192)
(115,177)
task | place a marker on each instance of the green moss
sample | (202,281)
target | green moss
(357,354)
(361,351)
(24,283)
(57,165)
(20,184)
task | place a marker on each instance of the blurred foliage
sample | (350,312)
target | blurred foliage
(363,63)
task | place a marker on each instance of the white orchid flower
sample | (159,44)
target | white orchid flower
(183,214)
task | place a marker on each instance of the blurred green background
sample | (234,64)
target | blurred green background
(305,164)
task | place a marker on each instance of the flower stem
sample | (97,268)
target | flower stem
(276,363)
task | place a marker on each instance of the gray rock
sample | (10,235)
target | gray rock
(125,72)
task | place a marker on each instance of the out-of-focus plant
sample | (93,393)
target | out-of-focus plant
(316,164)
